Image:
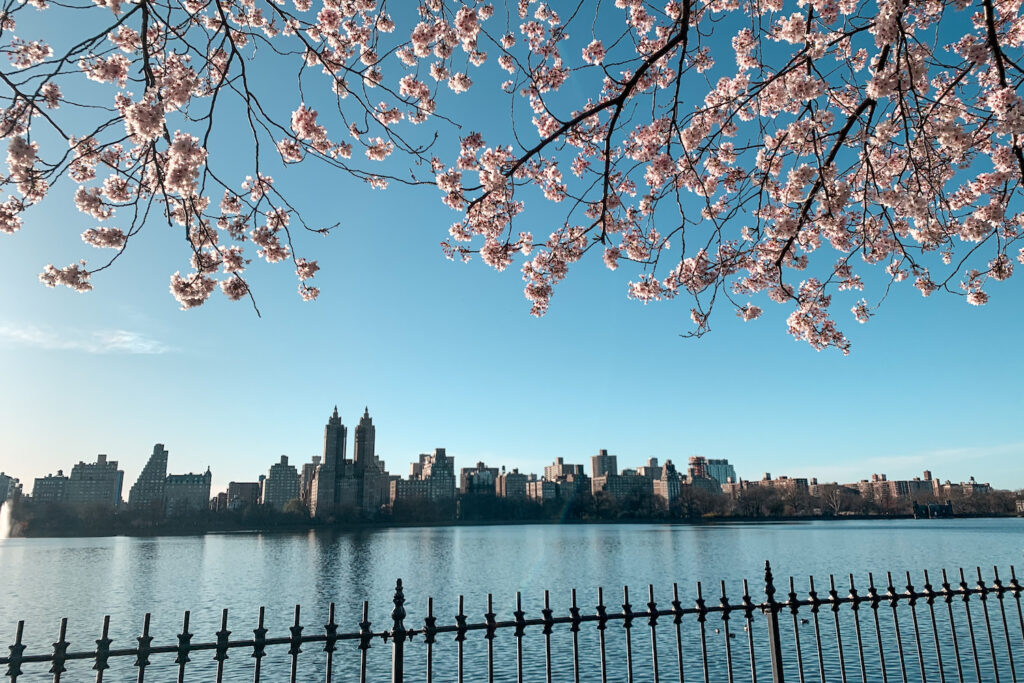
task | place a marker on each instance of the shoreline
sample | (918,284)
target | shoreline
(371,525)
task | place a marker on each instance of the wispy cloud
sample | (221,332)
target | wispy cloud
(95,341)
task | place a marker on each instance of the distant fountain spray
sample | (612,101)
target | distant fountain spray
(5,520)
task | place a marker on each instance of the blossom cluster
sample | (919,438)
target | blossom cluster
(726,152)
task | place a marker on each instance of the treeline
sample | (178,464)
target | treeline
(693,504)
(698,504)
(62,519)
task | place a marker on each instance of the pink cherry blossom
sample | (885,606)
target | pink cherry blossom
(74,276)
(803,148)
(192,290)
(112,238)
(594,52)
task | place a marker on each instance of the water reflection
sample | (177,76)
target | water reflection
(44,579)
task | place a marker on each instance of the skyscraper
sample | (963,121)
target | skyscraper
(280,485)
(720,469)
(603,464)
(306,481)
(477,480)
(432,478)
(339,484)
(95,483)
(148,489)
(366,434)
(335,438)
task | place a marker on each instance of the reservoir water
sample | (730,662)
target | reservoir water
(42,580)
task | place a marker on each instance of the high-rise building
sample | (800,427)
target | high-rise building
(281,484)
(618,486)
(559,470)
(365,437)
(668,485)
(698,467)
(432,478)
(541,490)
(603,464)
(511,484)
(95,483)
(651,470)
(187,493)
(242,494)
(477,480)
(571,480)
(306,481)
(10,487)
(720,470)
(148,490)
(331,487)
(339,484)
(50,489)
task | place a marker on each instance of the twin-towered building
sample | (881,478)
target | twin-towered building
(339,484)
(333,484)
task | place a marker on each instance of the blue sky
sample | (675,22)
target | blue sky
(445,354)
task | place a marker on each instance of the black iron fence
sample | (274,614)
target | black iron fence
(955,630)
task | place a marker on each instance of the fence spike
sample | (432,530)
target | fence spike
(330,643)
(60,652)
(103,650)
(17,653)
(145,641)
(184,643)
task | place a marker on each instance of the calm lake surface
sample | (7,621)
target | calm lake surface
(84,579)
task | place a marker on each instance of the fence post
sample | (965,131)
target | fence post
(771,612)
(398,633)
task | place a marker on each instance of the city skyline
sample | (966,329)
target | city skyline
(335,447)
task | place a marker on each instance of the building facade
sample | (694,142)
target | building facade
(10,487)
(306,477)
(697,466)
(280,485)
(148,490)
(50,489)
(96,483)
(242,494)
(785,484)
(511,484)
(559,470)
(619,486)
(186,493)
(603,464)
(669,484)
(571,480)
(431,478)
(720,470)
(339,484)
(651,470)
(479,480)
(541,490)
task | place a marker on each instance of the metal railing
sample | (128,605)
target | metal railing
(945,632)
